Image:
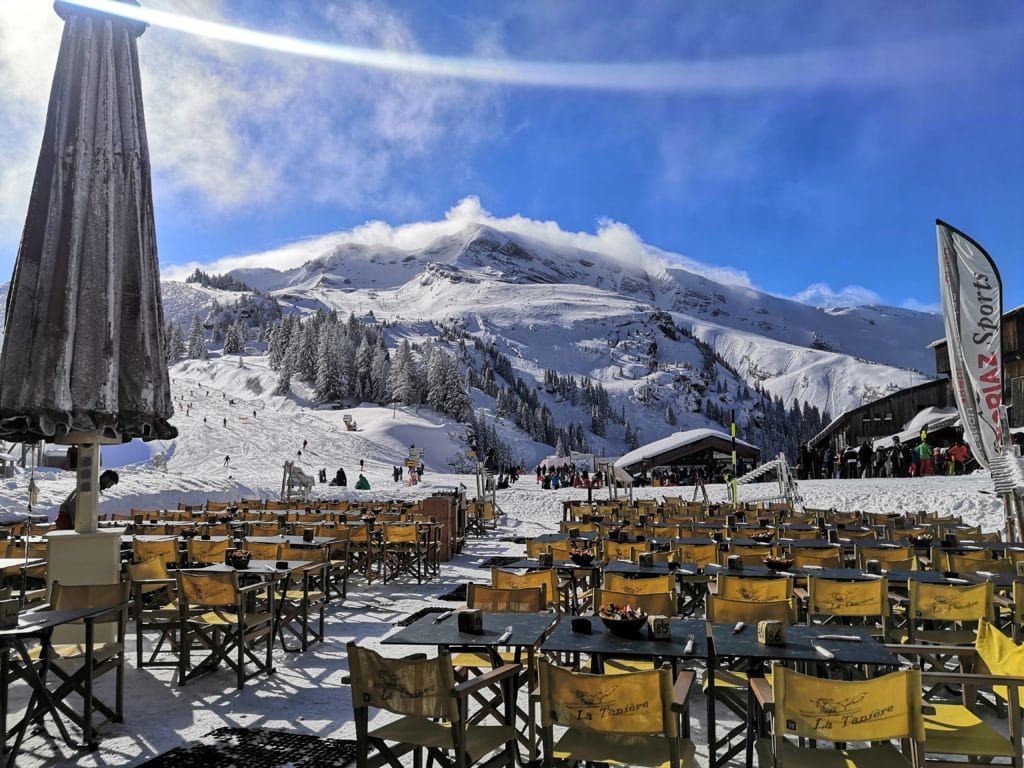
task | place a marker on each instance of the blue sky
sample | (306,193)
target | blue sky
(807,145)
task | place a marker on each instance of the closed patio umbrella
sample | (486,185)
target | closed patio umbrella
(82,357)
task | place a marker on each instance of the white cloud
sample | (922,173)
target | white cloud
(922,306)
(230,127)
(823,295)
(612,239)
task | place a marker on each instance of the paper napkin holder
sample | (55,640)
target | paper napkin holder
(471,621)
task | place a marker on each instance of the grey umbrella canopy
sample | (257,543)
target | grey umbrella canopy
(83,344)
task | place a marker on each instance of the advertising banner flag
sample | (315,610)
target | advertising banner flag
(972,308)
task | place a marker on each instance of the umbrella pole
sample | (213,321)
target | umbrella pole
(87,488)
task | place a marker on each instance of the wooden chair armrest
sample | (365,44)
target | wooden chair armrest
(150,582)
(681,688)
(111,612)
(762,691)
(971,678)
(488,678)
(257,587)
(1002,601)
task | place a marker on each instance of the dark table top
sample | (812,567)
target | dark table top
(602,641)
(292,541)
(656,569)
(527,630)
(258,567)
(34,622)
(799,646)
(532,564)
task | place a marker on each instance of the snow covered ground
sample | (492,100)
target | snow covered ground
(306,694)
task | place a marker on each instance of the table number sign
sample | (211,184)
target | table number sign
(771,633)
(660,627)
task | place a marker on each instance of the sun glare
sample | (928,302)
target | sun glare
(731,75)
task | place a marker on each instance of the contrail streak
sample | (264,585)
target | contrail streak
(806,70)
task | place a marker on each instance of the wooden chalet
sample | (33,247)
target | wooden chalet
(885,416)
(888,415)
(1013,363)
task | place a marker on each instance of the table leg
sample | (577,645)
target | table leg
(40,700)
(710,696)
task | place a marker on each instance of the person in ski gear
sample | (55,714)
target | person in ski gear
(362,484)
(66,513)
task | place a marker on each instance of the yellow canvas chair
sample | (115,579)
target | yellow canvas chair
(560,549)
(262,529)
(434,716)
(523,600)
(954,730)
(700,555)
(262,550)
(960,564)
(661,556)
(891,558)
(404,550)
(858,535)
(1018,610)
(547,578)
(214,614)
(654,585)
(306,597)
(208,552)
(154,609)
(949,604)
(800,534)
(76,668)
(535,548)
(818,558)
(619,550)
(868,601)
(753,588)
(630,719)
(723,610)
(731,684)
(751,556)
(941,560)
(877,712)
(165,549)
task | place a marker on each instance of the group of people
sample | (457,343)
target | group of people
(567,476)
(900,459)
(341,479)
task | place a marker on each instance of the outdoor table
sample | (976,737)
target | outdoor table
(293,541)
(267,570)
(528,629)
(35,625)
(9,564)
(799,647)
(602,643)
(698,541)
